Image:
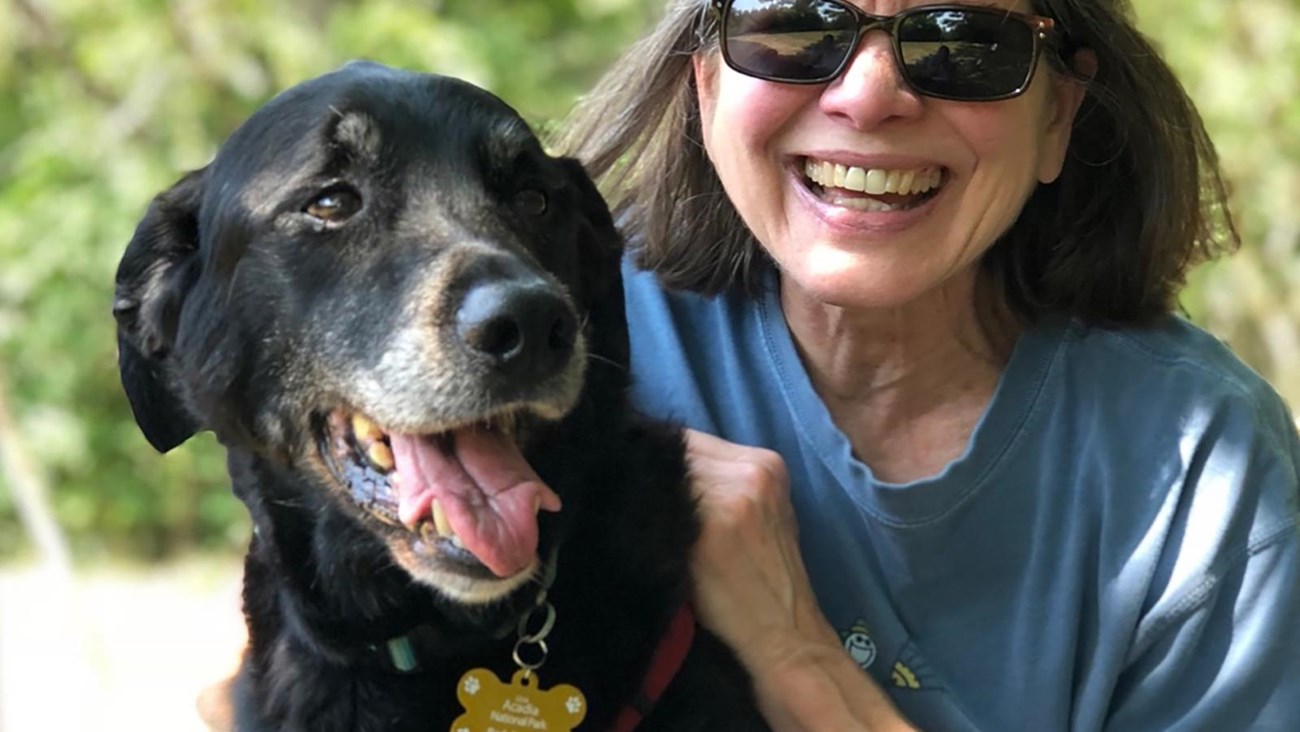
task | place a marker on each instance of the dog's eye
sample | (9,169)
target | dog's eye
(531,201)
(334,206)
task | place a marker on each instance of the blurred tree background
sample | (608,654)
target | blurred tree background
(104,104)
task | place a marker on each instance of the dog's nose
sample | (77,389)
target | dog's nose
(526,327)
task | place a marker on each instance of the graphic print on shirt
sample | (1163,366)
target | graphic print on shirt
(857,641)
(908,670)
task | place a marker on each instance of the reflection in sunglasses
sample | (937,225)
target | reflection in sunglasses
(953,52)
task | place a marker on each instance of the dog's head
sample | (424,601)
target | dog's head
(383,281)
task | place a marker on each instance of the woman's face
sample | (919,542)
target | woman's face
(775,147)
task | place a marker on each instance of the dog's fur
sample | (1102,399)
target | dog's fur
(325,263)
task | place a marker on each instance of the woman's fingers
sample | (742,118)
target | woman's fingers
(739,487)
(751,586)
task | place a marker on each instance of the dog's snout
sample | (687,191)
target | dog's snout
(527,328)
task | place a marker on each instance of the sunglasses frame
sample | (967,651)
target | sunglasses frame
(1042,31)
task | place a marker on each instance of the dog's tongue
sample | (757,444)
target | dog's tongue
(489,492)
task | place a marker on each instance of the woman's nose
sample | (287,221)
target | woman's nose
(871,90)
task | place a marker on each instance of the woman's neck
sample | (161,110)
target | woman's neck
(907,385)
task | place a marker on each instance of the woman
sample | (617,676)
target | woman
(914,276)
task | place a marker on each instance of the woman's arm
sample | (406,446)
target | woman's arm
(753,591)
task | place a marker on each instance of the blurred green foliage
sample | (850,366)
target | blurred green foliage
(1241,63)
(104,104)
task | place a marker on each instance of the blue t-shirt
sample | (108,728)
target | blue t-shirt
(1116,550)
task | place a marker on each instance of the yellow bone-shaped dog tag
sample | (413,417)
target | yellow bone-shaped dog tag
(520,706)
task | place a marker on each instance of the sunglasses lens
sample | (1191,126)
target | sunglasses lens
(966,54)
(788,40)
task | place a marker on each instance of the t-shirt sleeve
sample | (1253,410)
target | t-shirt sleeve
(1219,648)
(1232,662)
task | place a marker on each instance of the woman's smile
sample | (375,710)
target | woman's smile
(873,189)
(881,195)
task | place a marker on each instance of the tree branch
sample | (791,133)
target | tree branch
(29,491)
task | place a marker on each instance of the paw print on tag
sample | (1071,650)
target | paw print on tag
(519,706)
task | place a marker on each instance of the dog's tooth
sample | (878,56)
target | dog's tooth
(381,456)
(456,542)
(427,532)
(365,430)
(440,520)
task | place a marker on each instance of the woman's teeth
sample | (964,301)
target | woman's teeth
(835,178)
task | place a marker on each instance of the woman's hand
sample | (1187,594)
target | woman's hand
(753,592)
(752,588)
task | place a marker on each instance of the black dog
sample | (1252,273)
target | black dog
(404,321)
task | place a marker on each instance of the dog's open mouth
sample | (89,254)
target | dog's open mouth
(465,495)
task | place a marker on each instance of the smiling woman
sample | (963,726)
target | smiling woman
(910,270)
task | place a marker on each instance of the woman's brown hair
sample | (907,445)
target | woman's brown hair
(1139,201)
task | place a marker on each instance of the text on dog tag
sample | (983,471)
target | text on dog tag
(520,706)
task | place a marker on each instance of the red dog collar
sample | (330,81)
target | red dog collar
(664,665)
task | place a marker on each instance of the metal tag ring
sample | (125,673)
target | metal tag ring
(530,667)
(544,631)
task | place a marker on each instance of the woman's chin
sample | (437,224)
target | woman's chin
(864,283)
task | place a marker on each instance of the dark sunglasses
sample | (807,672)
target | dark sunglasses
(960,52)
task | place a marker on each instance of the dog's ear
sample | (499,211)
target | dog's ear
(157,270)
(601,249)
